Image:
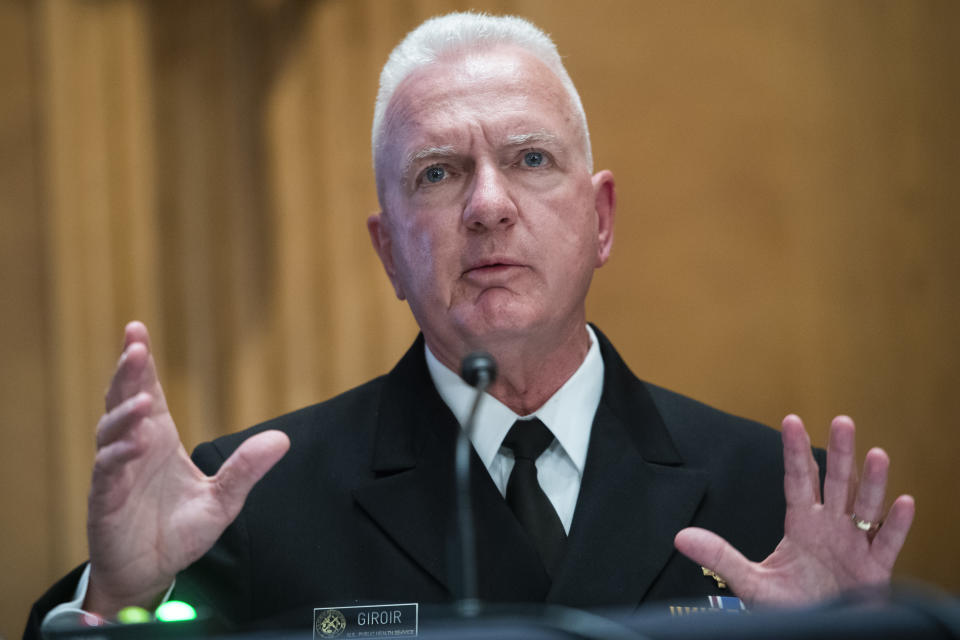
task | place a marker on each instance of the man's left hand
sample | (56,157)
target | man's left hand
(829,545)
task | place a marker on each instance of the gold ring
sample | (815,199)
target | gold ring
(865,525)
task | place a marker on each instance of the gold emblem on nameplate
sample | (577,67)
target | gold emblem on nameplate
(330,623)
(720,581)
(366,621)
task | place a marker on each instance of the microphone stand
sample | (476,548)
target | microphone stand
(479,370)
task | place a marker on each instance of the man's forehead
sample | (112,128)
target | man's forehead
(500,97)
(499,118)
(464,146)
(463,140)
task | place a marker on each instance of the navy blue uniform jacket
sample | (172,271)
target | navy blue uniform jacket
(360,510)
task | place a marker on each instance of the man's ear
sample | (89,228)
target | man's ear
(379,229)
(605,201)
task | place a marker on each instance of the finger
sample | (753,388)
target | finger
(122,418)
(136,372)
(852,489)
(873,486)
(128,376)
(838,484)
(110,484)
(246,466)
(800,482)
(129,371)
(891,536)
(814,470)
(713,552)
(136,331)
(112,459)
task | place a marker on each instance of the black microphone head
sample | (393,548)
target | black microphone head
(478,369)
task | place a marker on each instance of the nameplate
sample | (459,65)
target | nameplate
(368,621)
(715,604)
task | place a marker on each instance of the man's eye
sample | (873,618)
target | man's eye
(533,158)
(435,174)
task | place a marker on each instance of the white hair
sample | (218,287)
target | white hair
(454,33)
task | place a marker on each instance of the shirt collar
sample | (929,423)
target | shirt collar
(568,413)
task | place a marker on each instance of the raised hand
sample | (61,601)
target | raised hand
(828,546)
(151,512)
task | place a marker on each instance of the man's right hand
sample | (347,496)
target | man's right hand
(151,511)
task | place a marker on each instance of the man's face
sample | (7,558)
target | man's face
(492,224)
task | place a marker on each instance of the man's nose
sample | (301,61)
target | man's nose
(489,204)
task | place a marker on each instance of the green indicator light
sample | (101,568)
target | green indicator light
(133,615)
(175,611)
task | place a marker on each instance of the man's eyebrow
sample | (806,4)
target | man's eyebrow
(536,137)
(445,151)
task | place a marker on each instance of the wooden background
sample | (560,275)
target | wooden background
(786,237)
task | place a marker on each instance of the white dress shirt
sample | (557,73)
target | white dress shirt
(568,414)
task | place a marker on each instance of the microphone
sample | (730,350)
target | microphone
(479,370)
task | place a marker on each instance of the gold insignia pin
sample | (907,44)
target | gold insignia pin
(720,581)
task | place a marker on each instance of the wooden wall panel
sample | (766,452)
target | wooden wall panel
(787,202)
(27,471)
(786,173)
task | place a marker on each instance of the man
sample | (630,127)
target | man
(492,224)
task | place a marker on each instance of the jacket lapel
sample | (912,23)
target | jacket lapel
(412,497)
(634,497)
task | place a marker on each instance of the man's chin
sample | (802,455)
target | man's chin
(487,329)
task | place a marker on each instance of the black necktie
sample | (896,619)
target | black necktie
(528,439)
